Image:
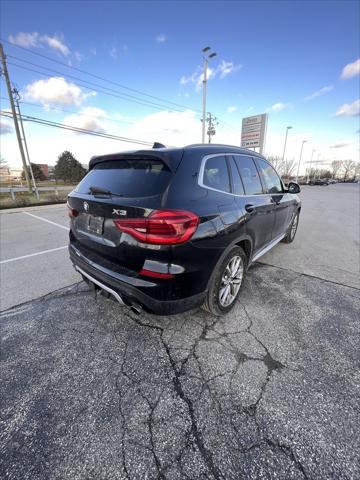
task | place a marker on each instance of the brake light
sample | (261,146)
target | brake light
(161,227)
(72,212)
(151,273)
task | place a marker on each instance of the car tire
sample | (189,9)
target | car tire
(226,282)
(290,235)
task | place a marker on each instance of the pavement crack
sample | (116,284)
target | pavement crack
(289,453)
(179,390)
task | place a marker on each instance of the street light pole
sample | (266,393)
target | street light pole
(283,157)
(298,168)
(206,58)
(311,159)
(206,62)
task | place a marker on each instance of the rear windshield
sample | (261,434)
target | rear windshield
(129,178)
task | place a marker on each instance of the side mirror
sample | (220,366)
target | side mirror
(293,187)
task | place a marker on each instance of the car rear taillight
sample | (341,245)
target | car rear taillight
(72,212)
(151,273)
(161,227)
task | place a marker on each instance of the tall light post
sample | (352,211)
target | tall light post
(283,157)
(206,57)
(311,159)
(298,168)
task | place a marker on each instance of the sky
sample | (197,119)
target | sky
(298,61)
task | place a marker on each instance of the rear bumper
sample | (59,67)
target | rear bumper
(129,287)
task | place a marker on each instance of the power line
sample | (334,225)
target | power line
(110,91)
(39,105)
(49,123)
(228,127)
(101,89)
(97,76)
(90,83)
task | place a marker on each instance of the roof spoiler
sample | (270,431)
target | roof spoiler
(158,145)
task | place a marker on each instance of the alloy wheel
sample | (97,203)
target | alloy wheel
(231,281)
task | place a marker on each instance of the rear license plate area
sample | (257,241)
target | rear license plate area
(95,224)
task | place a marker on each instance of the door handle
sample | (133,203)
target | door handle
(250,208)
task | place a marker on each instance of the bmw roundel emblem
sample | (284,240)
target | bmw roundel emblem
(86,206)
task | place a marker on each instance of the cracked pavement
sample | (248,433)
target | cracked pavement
(90,390)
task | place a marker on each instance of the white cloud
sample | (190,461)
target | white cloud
(5,127)
(222,70)
(56,91)
(197,77)
(341,145)
(87,119)
(93,51)
(28,40)
(278,107)
(231,109)
(113,53)
(170,128)
(78,56)
(349,109)
(225,68)
(24,39)
(161,38)
(351,69)
(250,109)
(319,93)
(56,43)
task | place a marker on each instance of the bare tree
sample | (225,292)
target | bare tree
(356,171)
(277,163)
(289,168)
(348,166)
(335,167)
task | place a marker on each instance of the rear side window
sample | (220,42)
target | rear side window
(129,178)
(216,174)
(271,178)
(237,183)
(249,175)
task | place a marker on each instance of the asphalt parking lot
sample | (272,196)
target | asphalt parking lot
(92,391)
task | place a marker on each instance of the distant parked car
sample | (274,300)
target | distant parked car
(170,229)
(319,181)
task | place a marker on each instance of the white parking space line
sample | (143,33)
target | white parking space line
(45,220)
(33,254)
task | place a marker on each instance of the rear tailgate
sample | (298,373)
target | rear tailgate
(137,185)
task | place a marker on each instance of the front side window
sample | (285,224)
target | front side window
(216,174)
(271,178)
(249,174)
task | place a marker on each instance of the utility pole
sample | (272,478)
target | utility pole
(206,58)
(212,122)
(22,131)
(17,130)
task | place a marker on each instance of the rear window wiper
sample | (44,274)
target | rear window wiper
(101,191)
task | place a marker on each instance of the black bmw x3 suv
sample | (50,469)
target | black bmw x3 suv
(170,229)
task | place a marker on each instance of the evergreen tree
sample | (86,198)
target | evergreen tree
(69,169)
(38,173)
